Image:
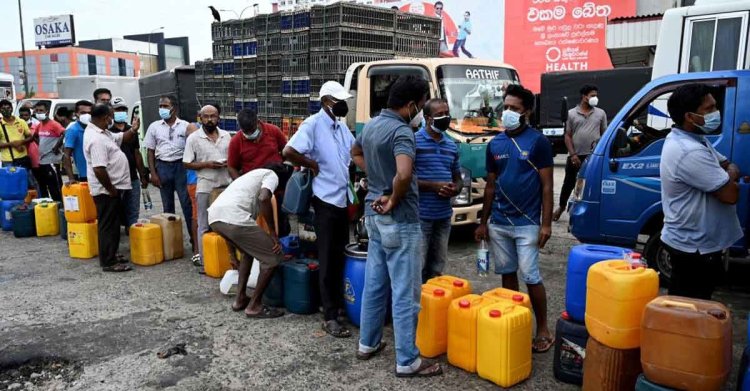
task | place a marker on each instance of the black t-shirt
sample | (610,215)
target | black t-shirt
(129,149)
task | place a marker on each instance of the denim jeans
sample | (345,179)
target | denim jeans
(202,202)
(393,263)
(174,179)
(132,203)
(514,248)
(435,235)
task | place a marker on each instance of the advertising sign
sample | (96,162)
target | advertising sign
(559,35)
(52,31)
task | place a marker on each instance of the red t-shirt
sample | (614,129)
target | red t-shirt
(246,155)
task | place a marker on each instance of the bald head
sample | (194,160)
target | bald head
(209,118)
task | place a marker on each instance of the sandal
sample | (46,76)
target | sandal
(335,329)
(118,268)
(546,343)
(366,356)
(266,313)
(242,308)
(121,258)
(196,259)
(426,369)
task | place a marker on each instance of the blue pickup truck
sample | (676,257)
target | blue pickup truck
(617,199)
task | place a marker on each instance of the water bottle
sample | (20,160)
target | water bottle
(636,261)
(483,259)
(147,205)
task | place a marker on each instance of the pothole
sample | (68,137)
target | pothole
(39,372)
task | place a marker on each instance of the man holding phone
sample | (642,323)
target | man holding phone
(206,152)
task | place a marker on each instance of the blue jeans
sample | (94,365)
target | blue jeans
(435,235)
(393,263)
(132,203)
(514,248)
(174,179)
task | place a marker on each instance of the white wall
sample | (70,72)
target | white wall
(648,7)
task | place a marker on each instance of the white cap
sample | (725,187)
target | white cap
(334,89)
(118,102)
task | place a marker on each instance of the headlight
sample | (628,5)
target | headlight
(578,191)
(464,197)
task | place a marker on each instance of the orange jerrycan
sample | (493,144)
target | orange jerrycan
(686,344)
(616,295)
(432,325)
(462,330)
(146,247)
(78,203)
(83,240)
(515,297)
(47,219)
(458,286)
(215,255)
(171,234)
(504,343)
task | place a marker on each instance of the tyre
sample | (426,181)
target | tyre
(658,258)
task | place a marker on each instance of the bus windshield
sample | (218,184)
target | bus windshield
(474,93)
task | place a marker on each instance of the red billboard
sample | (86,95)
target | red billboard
(559,35)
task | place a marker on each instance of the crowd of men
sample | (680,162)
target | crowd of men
(412,170)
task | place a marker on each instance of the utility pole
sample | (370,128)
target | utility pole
(23,54)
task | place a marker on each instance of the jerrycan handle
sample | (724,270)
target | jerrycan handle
(678,304)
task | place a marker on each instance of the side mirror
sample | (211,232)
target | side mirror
(564,109)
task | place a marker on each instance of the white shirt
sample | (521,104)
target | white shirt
(200,148)
(238,204)
(101,148)
(329,143)
(168,142)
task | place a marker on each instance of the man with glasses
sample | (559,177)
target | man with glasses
(165,141)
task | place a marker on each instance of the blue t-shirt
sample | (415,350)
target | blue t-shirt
(74,140)
(435,162)
(382,139)
(463,30)
(518,188)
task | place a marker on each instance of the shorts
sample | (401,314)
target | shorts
(514,248)
(252,241)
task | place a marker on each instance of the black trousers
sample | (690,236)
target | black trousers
(109,213)
(332,230)
(571,174)
(49,181)
(695,275)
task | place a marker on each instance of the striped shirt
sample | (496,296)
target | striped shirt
(435,162)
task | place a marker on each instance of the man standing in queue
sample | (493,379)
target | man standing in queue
(323,145)
(73,151)
(132,150)
(518,203)
(386,150)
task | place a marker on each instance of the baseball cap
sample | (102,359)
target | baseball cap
(334,89)
(118,102)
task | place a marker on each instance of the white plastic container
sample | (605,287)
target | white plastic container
(228,284)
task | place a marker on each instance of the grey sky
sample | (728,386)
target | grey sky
(96,19)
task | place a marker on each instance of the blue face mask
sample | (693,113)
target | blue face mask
(121,117)
(511,120)
(711,122)
(165,114)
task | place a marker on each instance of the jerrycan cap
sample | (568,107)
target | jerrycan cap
(313,266)
(495,314)
(518,298)
(438,292)
(84,184)
(565,315)
(635,256)
(458,283)
(139,225)
(171,218)
(464,303)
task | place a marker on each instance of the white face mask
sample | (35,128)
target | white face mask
(417,120)
(594,101)
(85,119)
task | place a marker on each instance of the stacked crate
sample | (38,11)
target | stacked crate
(276,63)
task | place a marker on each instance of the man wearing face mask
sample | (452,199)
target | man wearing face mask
(698,191)
(256,145)
(206,153)
(109,178)
(132,150)
(585,126)
(15,137)
(386,150)
(49,134)
(323,145)
(438,171)
(74,143)
(518,200)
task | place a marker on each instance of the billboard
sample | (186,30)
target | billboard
(52,31)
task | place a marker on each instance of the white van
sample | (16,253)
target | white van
(710,36)
(53,104)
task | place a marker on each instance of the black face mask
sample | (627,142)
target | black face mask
(6,112)
(340,109)
(442,123)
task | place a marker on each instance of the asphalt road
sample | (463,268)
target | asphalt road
(77,328)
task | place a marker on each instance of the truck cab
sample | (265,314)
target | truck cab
(617,199)
(474,90)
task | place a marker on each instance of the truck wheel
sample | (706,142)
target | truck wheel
(658,258)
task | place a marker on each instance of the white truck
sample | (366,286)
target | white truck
(82,87)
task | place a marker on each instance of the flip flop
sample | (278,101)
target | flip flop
(196,259)
(549,341)
(335,329)
(366,356)
(238,309)
(266,313)
(426,369)
(121,258)
(118,268)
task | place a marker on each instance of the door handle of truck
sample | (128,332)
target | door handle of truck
(613,165)
(744,128)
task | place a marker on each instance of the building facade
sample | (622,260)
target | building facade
(155,52)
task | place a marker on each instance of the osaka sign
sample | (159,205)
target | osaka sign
(54,31)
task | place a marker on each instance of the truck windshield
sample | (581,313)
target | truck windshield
(474,94)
